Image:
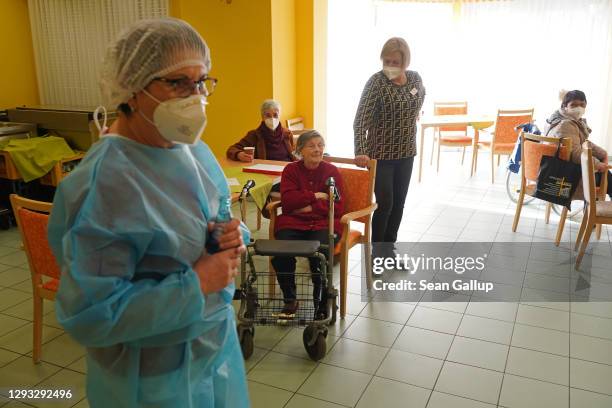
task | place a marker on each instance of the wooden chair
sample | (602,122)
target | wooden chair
(503,138)
(533,148)
(296,126)
(456,136)
(32,218)
(596,211)
(359,205)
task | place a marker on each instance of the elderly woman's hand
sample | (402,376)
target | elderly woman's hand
(302,210)
(362,160)
(244,157)
(231,236)
(218,270)
(321,196)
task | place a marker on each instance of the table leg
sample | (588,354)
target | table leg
(421,151)
(474,152)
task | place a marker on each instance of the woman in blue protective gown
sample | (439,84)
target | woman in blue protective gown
(144,286)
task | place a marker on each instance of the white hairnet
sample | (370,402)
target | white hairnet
(149,49)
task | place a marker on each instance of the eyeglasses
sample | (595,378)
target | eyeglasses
(185,86)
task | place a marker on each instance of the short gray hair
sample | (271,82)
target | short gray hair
(305,138)
(397,44)
(270,104)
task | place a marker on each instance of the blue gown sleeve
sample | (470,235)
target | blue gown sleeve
(99,246)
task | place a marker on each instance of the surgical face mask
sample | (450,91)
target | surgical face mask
(392,72)
(179,120)
(576,112)
(272,123)
(102,128)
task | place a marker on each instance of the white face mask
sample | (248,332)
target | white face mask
(576,112)
(102,128)
(179,120)
(272,123)
(392,72)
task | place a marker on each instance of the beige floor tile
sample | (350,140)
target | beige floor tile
(293,343)
(583,399)
(591,376)
(384,393)
(436,320)
(341,325)
(541,317)
(522,392)
(16,404)
(50,319)
(267,337)
(8,324)
(264,396)
(22,372)
(80,365)
(15,275)
(282,371)
(485,329)
(355,355)
(25,310)
(17,258)
(7,356)
(600,309)
(335,384)
(302,401)
(410,368)
(373,331)
(82,404)
(591,326)
(66,380)
(470,382)
(538,365)
(478,353)
(493,310)
(441,400)
(62,351)
(354,305)
(591,349)
(425,342)
(24,286)
(20,340)
(541,339)
(11,297)
(388,311)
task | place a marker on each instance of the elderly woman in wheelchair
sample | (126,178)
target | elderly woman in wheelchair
(305,216)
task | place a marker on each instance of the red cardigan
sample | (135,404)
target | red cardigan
(298,187)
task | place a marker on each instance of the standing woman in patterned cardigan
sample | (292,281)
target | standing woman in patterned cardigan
(385,129)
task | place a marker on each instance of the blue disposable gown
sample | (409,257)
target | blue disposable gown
(127,226)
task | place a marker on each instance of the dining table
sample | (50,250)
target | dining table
(476,121)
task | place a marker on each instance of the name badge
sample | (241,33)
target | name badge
(413,91)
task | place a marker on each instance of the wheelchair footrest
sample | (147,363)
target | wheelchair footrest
(277,247)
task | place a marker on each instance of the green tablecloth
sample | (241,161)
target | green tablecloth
(34,157)
(263,184)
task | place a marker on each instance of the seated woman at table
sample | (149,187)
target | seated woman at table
(568,122)
(305,203)
(270,139)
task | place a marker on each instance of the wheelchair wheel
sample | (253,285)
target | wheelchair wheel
(317,350)
(513,187)
(245,335)
(577,210)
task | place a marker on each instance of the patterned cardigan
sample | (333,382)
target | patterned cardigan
(385,122)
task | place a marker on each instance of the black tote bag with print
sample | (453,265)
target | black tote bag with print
(557,179)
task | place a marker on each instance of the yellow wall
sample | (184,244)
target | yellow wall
(239,38)
(17,70)
(283,56)
(304,60)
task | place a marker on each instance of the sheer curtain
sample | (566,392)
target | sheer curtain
(70,38)
(499,54)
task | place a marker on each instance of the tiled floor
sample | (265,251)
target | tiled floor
(418,354)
